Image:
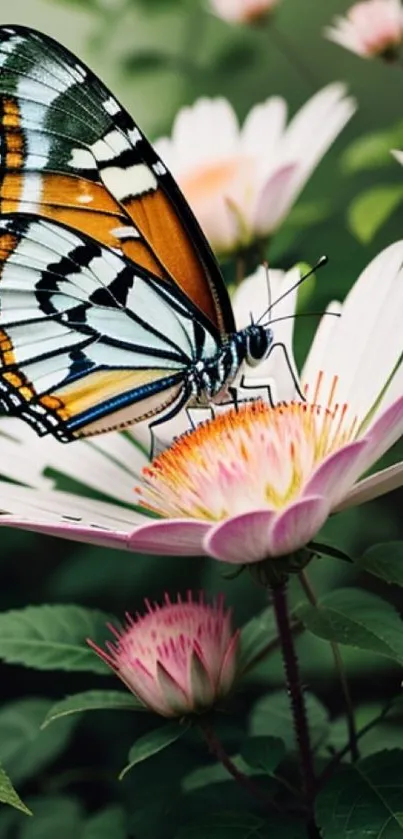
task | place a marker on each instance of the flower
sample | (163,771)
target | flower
(179,658)
(249,485)
(242,183)
(242,11)
(370,28)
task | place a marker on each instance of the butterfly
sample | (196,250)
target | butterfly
(113,308)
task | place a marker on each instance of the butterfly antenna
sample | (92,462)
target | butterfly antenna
(319,264)
(266,267)
(305,315)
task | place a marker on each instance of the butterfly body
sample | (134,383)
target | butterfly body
(112,306)
(209,380)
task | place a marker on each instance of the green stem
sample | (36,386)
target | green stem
(217,749)
(239,270)
(350,716)
(328,771)
(295,691)
(287,49)
(296,628)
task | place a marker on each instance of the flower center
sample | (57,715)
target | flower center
(252,458)
(218,180)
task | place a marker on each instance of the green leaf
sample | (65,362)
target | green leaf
(370,210)
(8,795)
(55,817)
(256,635)
(153,742)
(357,619)
(93,700)
(271,716)
(151,61)
(215,773)
(364,801)
(330,550)
(24,749)
(53,638)
(263,753)
(386,731)
(385,561)
(211,774)
(373,150)
(233,57)
(230,825)
(109,823)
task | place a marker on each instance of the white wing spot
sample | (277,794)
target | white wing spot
(110,145)
(111,106)
(31,193)
(123,183)
(135,136)
(126,232)
(159,168)
(82,159)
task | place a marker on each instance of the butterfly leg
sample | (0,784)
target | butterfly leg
(177,406)
(290,367)
(243,384)
(233,392)
(190,419)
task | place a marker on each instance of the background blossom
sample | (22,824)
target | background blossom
(243,11)
(242,182)
(370,28)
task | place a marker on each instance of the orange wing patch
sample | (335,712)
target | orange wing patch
(158,223)
(13,139)
(83,205)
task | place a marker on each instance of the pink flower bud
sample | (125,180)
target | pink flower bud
(179,658)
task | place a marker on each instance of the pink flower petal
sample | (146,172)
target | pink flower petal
(385,431)
(337,473)
(241,539)
(202,688)
(174,697)
(144,685)
(175,537)
(298,525)
(229,665)
(274,199)
(373,487)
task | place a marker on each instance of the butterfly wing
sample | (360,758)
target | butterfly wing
(71,153)
(88,341)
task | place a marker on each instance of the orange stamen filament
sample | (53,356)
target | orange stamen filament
(256,457)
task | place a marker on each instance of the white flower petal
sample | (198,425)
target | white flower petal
(206,131)
(263,129)
(398,155)
(365,323)
(45,504)
(314,128)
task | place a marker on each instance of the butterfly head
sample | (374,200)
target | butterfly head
(258,341)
